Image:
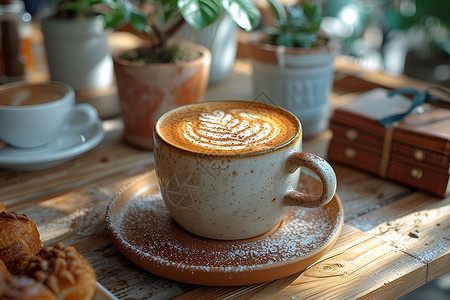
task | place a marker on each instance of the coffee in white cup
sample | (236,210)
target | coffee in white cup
(32,114)
(228,169)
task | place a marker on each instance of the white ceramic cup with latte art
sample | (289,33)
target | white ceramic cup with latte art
(228,170)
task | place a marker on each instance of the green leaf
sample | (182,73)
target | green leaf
(139,21)
(125,12)
(113,19)
(304,39)
(315,26)
(278,10)
(199,13)
(285,40)
(243,12)
(272,31)
(295,12)
(169,9)
(312,11)
(111,3)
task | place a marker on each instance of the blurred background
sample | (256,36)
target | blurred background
(408,37)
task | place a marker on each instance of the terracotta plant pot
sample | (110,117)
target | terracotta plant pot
(148,91)
(297,79)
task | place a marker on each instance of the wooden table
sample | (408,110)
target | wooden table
(375,256)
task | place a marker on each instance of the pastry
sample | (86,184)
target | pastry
(19,241)
(2,207)
(64,271)
(23,288)
(3,269)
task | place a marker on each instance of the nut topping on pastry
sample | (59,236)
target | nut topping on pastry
(64,271)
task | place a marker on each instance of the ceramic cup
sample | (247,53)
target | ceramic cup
(228,170)
(32,114)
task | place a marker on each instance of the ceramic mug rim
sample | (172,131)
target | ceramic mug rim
(69,95)
(297,135)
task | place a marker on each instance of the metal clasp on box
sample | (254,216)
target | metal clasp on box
(419,155)
(350,152)
(416,173)
(351,134)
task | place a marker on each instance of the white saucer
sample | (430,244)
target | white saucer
(103,294)
(71,142)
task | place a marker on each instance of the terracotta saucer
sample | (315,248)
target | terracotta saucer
(143,231)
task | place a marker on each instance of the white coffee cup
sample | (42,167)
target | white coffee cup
(228,169)
(32,114)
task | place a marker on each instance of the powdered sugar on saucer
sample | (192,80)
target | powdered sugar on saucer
(145,228)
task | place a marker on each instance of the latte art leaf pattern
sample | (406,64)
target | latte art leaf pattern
(230,130)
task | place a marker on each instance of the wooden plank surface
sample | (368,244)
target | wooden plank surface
(358,267)
(394,238)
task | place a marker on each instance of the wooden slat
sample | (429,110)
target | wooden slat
(417,225)
(358,267)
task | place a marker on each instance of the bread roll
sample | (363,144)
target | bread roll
(23,288)
(19,241)
(64,271)
(3,269)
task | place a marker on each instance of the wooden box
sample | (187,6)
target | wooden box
(414,152)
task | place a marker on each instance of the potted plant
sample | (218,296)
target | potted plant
(165,73)
(77,51)
(293,65)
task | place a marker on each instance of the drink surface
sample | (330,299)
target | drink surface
(227,127)
(33,94)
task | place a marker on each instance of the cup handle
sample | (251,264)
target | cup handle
(322,169)
(82,116)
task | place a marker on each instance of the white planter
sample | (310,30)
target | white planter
(221,39)
(78,52)
(299,80)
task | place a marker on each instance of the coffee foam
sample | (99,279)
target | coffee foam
(227,127)
(30,94)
